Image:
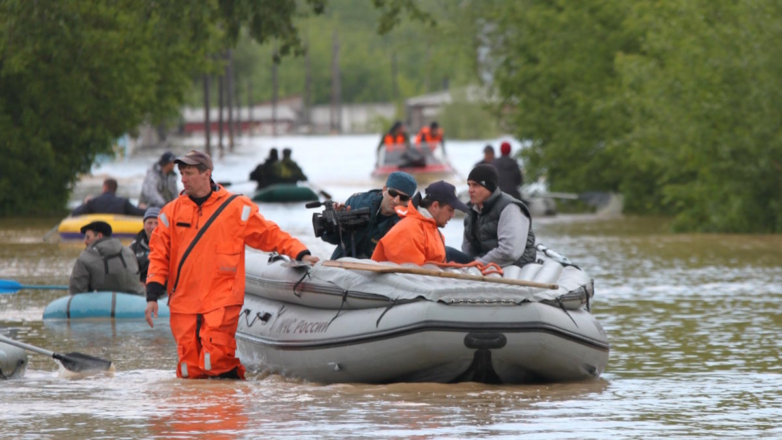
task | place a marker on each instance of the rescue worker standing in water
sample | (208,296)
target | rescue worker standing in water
(197,251)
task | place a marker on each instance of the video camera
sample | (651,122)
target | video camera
(333,221)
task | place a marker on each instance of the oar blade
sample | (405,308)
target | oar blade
(9,286)
(82,363)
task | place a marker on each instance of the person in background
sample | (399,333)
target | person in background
(105,265)
(416,238)
(197,255)
(488,156)
(108,203)
(382,203)
(431,135)
(498,227)
(396,139)
(159,185)
(140,245)
(509,172)
(268,172)
(290,172)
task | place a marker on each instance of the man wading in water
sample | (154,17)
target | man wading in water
(198,249)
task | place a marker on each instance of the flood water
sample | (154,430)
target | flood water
(693,322)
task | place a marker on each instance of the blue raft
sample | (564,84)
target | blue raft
(101,305)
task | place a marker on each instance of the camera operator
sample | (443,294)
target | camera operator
(397,191)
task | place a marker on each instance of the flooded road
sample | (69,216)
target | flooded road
(693,322)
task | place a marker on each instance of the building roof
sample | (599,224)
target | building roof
(259,113)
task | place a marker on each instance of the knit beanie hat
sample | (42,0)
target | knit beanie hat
(505,148)
(151,212)
(486,176)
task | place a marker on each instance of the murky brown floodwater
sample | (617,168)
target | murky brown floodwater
(693,321)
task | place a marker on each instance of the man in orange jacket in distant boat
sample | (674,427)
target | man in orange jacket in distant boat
(430,135)
(197,251)
(416,239)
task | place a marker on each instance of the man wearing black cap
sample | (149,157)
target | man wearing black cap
(105,265)
(416,238)
(498,227)
(159,185)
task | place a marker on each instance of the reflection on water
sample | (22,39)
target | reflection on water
(693,322)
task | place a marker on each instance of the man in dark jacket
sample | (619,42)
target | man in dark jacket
(108,203)
(488,156)
(397,191)
(290,172)
(268,172)
(105,265)
(498,228)
(140,245)
(509,171)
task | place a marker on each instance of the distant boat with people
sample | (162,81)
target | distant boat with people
(426,162)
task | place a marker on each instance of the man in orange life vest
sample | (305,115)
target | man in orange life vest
(197,250)
(416,238)
(396,138)
(431,135)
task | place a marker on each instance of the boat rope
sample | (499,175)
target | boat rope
(344,298)
(393,303)
(258,315)
(298,283)
(589,308)
(562,306)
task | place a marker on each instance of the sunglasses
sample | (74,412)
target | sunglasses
(394,193)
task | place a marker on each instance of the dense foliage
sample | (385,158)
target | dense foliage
(377,64)
(675,104)
(77,74)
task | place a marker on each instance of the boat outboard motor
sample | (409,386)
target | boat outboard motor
(338,222)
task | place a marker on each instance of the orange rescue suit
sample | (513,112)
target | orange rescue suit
(212,280)
(415,239)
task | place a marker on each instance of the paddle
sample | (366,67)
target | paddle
(434,273)
(51,232)
(11,286)
(76,362)
(227,184)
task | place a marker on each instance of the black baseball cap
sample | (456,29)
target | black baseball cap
(443,192)
(97,226)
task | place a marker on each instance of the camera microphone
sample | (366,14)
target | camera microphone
(312,205)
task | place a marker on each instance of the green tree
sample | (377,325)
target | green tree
(675,104)
(77,74)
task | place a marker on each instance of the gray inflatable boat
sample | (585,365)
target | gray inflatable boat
(328,324)
(13,362)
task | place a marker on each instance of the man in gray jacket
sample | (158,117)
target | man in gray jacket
(498,227)
(159,185)
(106,265)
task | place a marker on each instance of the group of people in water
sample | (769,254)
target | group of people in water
(192,247)
(275,170)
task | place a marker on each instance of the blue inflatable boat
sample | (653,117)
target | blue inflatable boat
(101,305)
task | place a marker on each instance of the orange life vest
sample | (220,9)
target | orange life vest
(394,143)
(426,135)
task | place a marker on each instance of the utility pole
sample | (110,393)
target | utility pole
(274,90)
(336,88)
(221,80)
(207,122)
(229,73)
(307,83)
(250,106)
